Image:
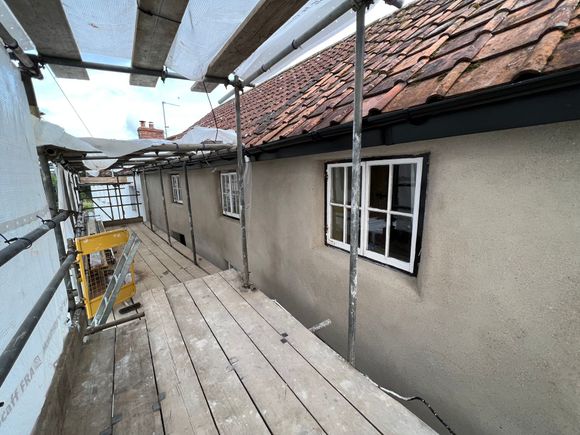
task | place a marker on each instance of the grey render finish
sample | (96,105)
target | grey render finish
(488,329)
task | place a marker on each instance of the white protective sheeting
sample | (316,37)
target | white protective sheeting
(46,133)
(104,27)
(24,277)
(205,28)
(9,21)
(309,15)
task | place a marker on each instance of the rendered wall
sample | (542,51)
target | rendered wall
(24,278)
(488,330)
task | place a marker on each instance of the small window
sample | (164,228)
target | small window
(230,196)
(390,194)
(176,188)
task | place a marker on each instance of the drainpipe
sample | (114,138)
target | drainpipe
(164,207)
(360,7)
(241,166)
(189,214)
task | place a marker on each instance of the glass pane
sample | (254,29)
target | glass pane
(377,232)
(400,238)
(404,187)
(336,223)
(379,187)
(349,183)
(337,185)
(348,228)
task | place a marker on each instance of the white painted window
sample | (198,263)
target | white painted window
(230,196)
(176,188)
(390,202)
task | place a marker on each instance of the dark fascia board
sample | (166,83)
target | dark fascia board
(535,101)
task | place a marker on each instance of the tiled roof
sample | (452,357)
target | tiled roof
(428,51)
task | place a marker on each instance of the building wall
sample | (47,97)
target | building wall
(488,329)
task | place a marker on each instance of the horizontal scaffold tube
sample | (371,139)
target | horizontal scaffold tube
(19,339)
(19,244)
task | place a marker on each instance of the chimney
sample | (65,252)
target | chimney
(149,132)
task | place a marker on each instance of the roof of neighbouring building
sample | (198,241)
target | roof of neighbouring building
(428,51)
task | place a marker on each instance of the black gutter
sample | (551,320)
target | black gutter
(538,100)
(19,244)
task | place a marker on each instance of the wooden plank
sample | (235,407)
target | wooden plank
(184,262)
(267,17)
(180,272)
(332,411)
(158,268)
(277,404)
(204,264)
(231,406)
(91,398)
(388,415)
(183,404)
(46,24)
(135,392)
(157,24)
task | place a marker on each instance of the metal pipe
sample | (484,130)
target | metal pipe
(26,241)
(110,203)
(190,214)
(22,57)
(95,329)
(120,197)
(355,183)
(53,60)
(52,206)
(136,195)
(164,206)
(19,339)
(242,205)
(148,201)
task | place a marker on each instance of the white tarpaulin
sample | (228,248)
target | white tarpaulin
(47,133)
(24,277)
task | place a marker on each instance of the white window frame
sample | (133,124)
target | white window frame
(365,210)
(229,185)
(176,188)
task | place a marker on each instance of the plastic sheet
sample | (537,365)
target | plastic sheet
(9,21)
(24,277)
(104,27)
(309,15)
(46,133)
(205,28)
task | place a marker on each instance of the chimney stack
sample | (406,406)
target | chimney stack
(149,132)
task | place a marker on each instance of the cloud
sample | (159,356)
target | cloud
(111,108)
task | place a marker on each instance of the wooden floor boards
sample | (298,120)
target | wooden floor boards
(208,358)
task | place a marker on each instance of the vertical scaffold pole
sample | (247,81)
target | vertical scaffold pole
(164,206)
(136,195)
(146,188)
(360,7)
(53,208)
(189,212)
(241,187)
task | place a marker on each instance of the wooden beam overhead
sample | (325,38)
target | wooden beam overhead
(157,24)
(267,17)
(46,24)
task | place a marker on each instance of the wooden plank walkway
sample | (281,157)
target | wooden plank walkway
(208,358)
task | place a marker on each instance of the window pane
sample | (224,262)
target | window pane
(348,227)
(349,183)
(377,232)
(337,185)
(336,223)
(379,187)
(404,187)
(400,237)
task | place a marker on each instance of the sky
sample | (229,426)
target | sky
(111,108)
